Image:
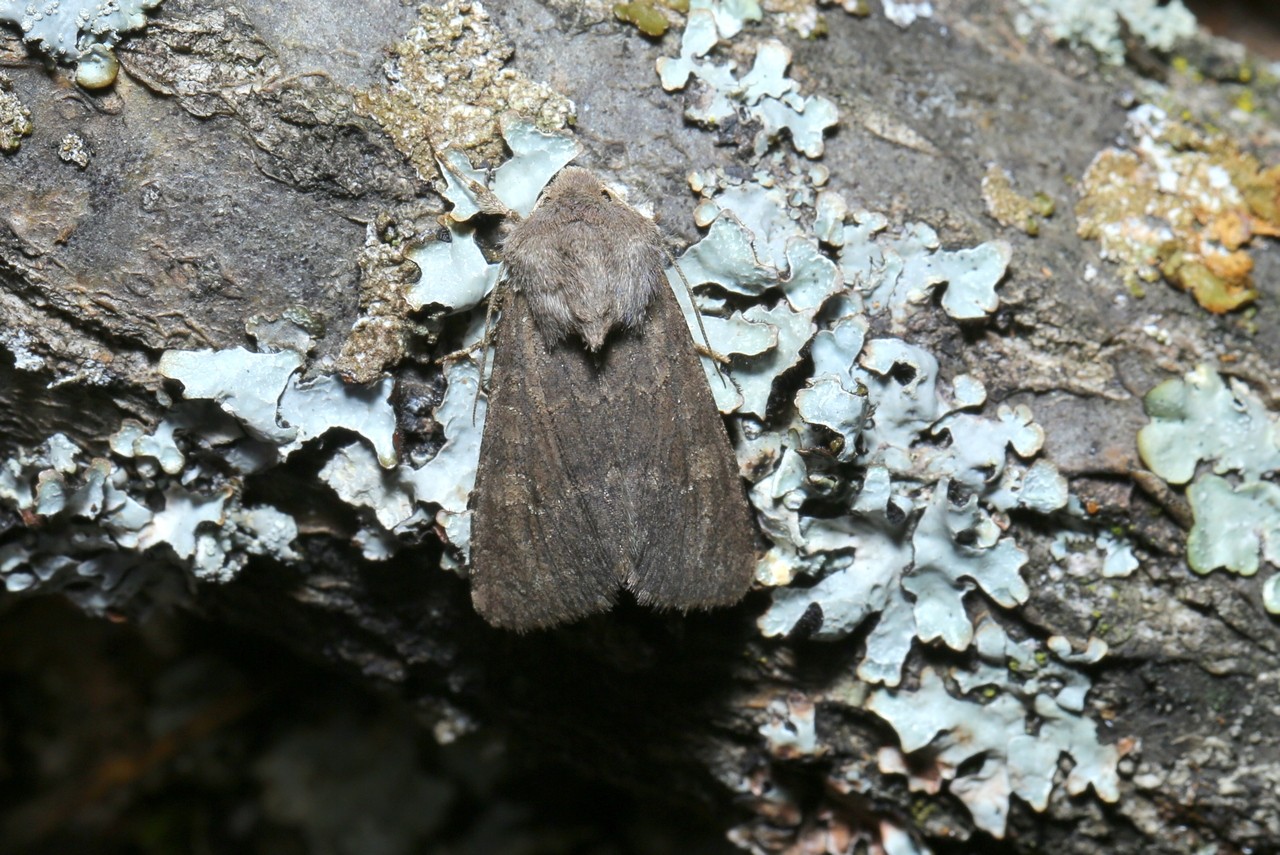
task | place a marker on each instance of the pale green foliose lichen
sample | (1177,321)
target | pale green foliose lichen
(1013,759)
(263,392)
(454,272)
(133,521)
(764,92)
(918,551)
(153,503)
(730,15)
(1200,419)
(1101,24)
(79,31)
(1234,525)
(791,730)
(925,530)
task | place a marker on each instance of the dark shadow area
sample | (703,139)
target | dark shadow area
(183,736)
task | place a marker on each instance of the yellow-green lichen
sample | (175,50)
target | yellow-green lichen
(1008,207)
(645,17)
(97,67)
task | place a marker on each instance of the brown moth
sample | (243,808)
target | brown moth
(604,463)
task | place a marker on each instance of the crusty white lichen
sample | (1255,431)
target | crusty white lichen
(15,118)
(448,86)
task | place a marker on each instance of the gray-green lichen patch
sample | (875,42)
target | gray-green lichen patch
(730,15)
(1013,759)
(79,31)
(1200,419)
(449,84)
(245,385)
(262,392)
(926,533)
(15,118)
(1234,526)
(111,527)
(1102,24)
(444,481)
(536,156)
(765,92)
(899,271)
(1091,555)
(154,502)
(295,329)
(453,272)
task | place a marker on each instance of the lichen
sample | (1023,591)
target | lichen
(907,547)
(765,93)
(790,731)
(73,149)
(79,31)
(1101,24)
(904,13)
(1008,207)
(1181,205)
(1199,419)
(448,85)
(15,118)
(133,521)
(1003,756)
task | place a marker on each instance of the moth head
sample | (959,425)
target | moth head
(576,183)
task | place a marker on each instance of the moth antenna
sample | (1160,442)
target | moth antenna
(688,289)
(495,299)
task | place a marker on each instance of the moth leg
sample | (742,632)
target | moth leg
(483,345)
(716,357)
(486,200)
(467,351)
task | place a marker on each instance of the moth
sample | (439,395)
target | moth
(604,464)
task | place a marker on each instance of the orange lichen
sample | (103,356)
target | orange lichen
(1181,204)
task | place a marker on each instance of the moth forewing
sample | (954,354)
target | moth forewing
(604,463)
